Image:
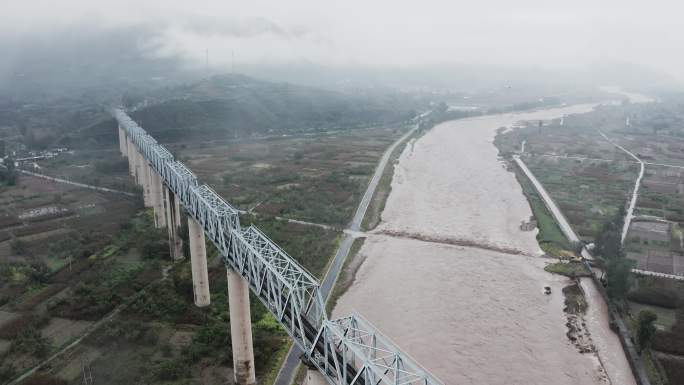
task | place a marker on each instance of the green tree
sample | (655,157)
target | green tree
(608,243)
(30,341)
(171,370)
(18,246)
(441,108)
(7,371)
(155,248)
(645,328)
(39,272)
(67,246)
(618,270)
(10,173)
(609,240)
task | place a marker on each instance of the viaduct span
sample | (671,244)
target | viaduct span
(342,351)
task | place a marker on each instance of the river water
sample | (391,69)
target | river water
(472,315)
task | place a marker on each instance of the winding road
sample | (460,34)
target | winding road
(635,192)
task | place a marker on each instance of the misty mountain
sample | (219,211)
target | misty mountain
(56,90)
(235,106)
(87,62)
(466,77)
(52,86)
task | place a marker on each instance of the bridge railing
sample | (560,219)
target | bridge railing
(180,180)
(365,356)
(160,156)
(216,216)
(297,290)
(348,350)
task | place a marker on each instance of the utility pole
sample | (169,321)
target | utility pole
(87,373)
(206,63)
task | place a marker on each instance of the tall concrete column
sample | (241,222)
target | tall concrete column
(173,224)
(140,171)
(131,156)
(176,205)
(198,262)
(314,377)
(157,198)
(122,143)
(139,176)
(145,179)
(241,329)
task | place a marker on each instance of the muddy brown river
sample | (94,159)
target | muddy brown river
(473,315)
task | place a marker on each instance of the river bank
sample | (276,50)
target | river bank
(459,309)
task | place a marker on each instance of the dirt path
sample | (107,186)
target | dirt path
(635,191)
(83,185)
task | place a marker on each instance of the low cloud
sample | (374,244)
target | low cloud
(378,34)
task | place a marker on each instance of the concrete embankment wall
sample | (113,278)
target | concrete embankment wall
(617,324)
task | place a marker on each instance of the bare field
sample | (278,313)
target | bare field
(101,167)
(592,178)
(588,192)
(44,309)
(576,136)
(161,337)
(310,178)
(39,213)
(51,238)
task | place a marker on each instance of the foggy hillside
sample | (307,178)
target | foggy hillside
(239,106)
(85,61)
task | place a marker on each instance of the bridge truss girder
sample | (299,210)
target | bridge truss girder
(346,351)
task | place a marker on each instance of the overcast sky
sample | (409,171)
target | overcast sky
(382,33)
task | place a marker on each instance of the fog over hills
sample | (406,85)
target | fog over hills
(102,61)
(56,83)
(85,60)
(238,106)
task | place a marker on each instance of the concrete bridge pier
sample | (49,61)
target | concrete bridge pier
(145,179)
(241,329)
(198,263)
(173,224)
(130,149)
(314,377)
(157,198)
(123,145)
(137,161)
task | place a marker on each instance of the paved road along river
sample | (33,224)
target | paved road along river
(471,315)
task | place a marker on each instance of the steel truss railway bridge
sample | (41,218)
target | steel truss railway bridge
(347,350)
